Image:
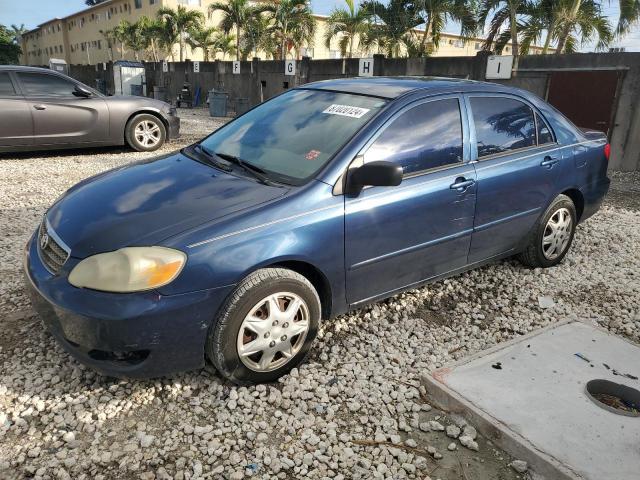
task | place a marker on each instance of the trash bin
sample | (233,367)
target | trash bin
(242,105)
(218,103)
(160,93)
(136,90)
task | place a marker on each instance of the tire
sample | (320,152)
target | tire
(547,253)
(233,330)
(145,133)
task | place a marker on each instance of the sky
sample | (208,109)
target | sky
(34,12)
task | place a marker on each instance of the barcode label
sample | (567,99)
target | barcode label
(346,111)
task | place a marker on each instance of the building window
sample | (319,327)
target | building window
(506,49)
(459,44)
(152,2)
(334,54)
(137,3)
(193,3)
(306,52)
(478,46)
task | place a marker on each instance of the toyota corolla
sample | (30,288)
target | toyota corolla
(323,199)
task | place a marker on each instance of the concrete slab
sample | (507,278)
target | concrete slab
(534,405)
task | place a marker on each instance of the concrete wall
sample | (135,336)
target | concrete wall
(261,80)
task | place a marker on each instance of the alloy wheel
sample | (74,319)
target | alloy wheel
(273,332)
(557,234)
(147,133)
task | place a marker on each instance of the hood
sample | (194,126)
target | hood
(133,100)
(147,202)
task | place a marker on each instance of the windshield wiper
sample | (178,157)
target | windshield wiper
(209,156)
(254,170)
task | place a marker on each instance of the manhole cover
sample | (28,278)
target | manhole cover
(614,397)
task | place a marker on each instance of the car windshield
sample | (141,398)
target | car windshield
(292,136)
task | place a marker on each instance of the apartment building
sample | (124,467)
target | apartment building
(77,38)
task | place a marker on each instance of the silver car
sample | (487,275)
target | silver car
(43,109)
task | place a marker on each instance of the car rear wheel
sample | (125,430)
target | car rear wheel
(265,328)
(145,133)
(552,235)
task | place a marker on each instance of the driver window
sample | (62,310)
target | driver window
(426,136)
(42,84)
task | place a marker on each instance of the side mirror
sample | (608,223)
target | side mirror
(375,174)
(82,91)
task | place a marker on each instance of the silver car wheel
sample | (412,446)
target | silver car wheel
(273,332)
(147,133)
(557,234)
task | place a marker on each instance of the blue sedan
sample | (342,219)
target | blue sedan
(323,199)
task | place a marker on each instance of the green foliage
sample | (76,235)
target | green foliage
(293,24)
(178,22)
(9,51)
(347,24)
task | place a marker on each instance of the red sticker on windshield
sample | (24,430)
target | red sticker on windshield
(312,154)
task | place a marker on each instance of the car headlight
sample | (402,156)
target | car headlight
(130,269)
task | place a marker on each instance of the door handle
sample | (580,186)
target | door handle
(461,184)
(549,162)
(39,107)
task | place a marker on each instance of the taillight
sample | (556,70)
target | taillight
(607,151)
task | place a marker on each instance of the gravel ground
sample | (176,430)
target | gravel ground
(355,409)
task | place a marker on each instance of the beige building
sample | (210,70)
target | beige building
(77,38)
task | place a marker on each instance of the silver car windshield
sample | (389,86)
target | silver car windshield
(292,136)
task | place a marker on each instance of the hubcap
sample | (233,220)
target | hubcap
(273,332)
(557,234)
(147,133)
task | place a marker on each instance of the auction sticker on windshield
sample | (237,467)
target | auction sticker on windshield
(346,110)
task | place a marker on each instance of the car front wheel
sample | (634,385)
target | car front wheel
(552,235)
(265,328)
(145,133)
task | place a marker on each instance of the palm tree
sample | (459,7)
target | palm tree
(110,37)
(437,13)
(119,33)
(557,18)
(294,24)
(586,17)
(236,14)
(258,35)
(225,43)
(132,36)
(179,22)
(347,24)
(203,38)
(17,32)
(393,27)
(505,16)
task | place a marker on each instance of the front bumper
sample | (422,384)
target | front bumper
(133,335)
(173,131)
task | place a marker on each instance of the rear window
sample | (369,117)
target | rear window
(502,125)
(6,87)
(292,136)
(544,132)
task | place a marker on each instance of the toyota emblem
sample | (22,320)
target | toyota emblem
(44,241)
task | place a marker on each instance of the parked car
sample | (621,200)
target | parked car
(328,197)
(41,109)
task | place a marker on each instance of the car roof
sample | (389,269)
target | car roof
(23,68)
(394,87)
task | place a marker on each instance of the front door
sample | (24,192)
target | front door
(59,116)
(518,167)
(400,236)
(16,127)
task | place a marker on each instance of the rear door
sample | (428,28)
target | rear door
(59,116)
(400,236)
(517,172)
(16,127)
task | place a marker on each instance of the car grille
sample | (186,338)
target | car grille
(52,252)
